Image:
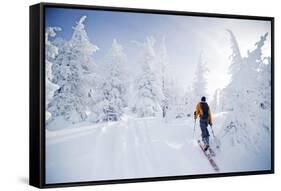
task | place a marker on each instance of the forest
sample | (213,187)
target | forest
(96,111)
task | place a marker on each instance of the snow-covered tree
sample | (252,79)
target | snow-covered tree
(148,87)
(176,100)
(114,85)
(51,53)
(215,104)
(236,58)
(200,81)
(163,60)
(243,124)
(265,82)
(189,102)
(237,64)
(264,90)
(71,67)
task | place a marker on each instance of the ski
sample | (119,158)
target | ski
(209,157)
(212,152)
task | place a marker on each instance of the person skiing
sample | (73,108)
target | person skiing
(204,112)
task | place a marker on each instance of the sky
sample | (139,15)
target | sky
(186,38)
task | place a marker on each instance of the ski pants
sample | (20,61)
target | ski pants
(204,131)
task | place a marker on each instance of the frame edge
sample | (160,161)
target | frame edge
(35,172)
(36,62)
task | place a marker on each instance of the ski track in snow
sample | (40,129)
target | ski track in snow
(130,148)
(125,149)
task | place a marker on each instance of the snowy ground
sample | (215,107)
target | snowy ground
(137,148)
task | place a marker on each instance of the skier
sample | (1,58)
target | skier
(203,111)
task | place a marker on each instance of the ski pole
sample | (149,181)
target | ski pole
(194,128)
(215,138)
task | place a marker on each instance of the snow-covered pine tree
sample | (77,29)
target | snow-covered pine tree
(114,86)
(51,53)
(235,67)
(163,60)
(71,67)
(254,63)
(242,124)
(169,97)
(262,86)
(177,100)
(148,87)
(215,104)
(236,58)
(188,102)
(264,90)
(200,81)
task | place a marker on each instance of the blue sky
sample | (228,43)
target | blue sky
(186,37)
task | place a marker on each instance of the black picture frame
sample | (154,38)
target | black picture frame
(37,94)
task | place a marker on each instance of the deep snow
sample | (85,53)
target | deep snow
(138,148)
